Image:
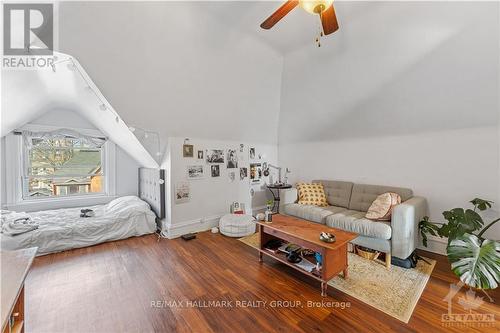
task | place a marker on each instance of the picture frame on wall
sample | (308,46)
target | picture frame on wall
(232,159)
(255,173)
(243,173)
(215,170)
(187,150)
(232,176)
(195,172)
(215,156)
(252,153)
(182,192)
(200,154)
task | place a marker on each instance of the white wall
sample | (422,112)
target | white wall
(126,167)
(411,102)
(211,197)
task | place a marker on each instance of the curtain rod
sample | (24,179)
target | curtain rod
(98,137)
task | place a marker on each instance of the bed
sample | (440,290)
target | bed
(124,217)
(64,229)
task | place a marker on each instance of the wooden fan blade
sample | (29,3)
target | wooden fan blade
(279,14)
(329,21)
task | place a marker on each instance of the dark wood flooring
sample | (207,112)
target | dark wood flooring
(111,287)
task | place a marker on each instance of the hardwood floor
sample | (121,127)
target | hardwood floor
(111,288)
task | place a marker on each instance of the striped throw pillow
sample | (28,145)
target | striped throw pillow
(381,208)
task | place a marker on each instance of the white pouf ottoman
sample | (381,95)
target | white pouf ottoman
(237,225)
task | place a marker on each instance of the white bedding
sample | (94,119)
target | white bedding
(64,229)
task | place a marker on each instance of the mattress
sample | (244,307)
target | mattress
(64,229)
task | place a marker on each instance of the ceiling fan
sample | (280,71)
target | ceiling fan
(323,8)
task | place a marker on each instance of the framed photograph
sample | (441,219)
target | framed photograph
(243,173)
(195,172)
(252,153)
(200,154)
(232,159)
(215,156)
(255,173)
(232,176)
(215,170)
(182,193)
(242,146)
(187,150)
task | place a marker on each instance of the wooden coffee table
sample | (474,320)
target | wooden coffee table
(306,234)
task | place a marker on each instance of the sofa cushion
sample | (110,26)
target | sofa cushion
(312,213)
(338,193)
(363,195)
(354,221)
(311,194)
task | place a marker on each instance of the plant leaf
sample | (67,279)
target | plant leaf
(461,221)
(475,261)
(481,204)
(425,226)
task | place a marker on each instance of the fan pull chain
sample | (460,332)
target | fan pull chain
(320,33)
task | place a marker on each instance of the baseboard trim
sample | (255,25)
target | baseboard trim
(435,244)
(197,225)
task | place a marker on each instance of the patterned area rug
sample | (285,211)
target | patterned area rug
(395,292)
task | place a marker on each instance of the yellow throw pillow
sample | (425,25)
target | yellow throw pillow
(311,194)
(381,208)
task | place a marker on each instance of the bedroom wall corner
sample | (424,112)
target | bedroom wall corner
(166,165)
(211,197)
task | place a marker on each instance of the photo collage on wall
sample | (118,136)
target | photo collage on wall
(240,162)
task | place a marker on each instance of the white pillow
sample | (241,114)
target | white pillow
(120,203)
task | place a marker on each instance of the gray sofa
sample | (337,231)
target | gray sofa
(348,203)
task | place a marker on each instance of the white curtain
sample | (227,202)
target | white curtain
(63,133)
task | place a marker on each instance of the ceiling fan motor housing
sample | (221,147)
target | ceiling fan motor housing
(315,6)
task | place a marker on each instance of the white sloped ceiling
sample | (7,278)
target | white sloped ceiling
(26,94)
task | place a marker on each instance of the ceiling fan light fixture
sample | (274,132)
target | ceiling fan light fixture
(315,6)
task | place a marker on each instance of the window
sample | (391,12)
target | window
(58,164)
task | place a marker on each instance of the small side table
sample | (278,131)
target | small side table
(276,194)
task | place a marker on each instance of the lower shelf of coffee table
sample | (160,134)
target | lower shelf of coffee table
(281,257)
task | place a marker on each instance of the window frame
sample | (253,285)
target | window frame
(25,176)
(15,171)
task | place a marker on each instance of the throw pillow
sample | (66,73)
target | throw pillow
(381,208)
(311,194)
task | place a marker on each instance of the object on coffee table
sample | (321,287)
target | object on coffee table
(327,237)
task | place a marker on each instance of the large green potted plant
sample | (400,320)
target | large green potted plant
(474,259)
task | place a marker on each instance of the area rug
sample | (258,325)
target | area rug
(395,291)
